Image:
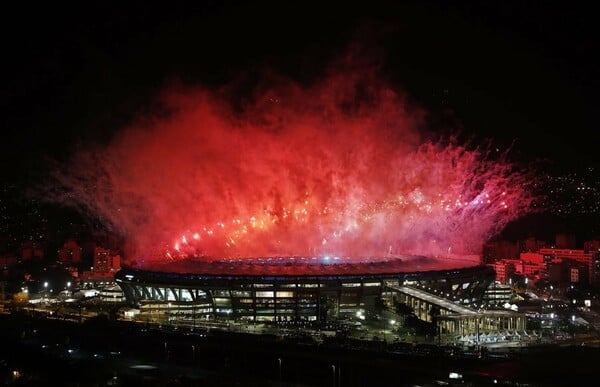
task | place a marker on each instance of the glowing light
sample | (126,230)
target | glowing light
(327,170)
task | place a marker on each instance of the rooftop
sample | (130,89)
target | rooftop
(309,266)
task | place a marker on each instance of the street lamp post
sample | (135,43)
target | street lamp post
(279,362)
(169,313)
(333,374)
(193,316)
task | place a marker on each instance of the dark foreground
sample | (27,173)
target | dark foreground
(37,352)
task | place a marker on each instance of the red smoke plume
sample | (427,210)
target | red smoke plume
(335,167)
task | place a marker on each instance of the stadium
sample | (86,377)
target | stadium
(301,289)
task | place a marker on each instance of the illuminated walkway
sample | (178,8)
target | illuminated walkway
(453,318)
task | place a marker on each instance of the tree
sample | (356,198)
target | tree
(434,314)
(379,304)
(403,309)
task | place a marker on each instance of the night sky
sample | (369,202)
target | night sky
(521,72)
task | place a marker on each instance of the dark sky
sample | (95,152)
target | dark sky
(517,71)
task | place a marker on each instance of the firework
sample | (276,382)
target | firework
(340,167)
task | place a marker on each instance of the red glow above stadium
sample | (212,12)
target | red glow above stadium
(339,167)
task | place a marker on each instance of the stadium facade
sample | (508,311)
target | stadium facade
(293,288)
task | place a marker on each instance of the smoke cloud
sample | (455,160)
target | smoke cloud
(338,166)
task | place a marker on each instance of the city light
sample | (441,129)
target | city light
(220,188)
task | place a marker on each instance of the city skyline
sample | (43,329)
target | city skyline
(314,193)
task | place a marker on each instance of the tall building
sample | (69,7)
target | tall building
(504,270)
(580,256)
(591,246)
(498,294)
(565,241)
(101,260)
(70,252)
(105,260)
(7,260)
(532,245)
(495,250)
(105,264)
(31,250)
